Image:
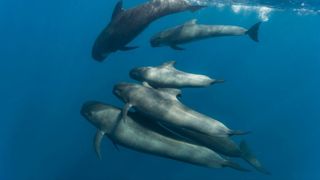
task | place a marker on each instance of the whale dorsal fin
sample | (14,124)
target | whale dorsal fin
(171,91)
(191,22)
(169,64)
(146,84)
(117,9)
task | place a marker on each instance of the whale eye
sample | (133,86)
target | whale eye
(89,114)
(118,93)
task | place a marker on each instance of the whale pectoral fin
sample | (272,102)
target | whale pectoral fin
(128,48)
(175,47)
(97,142)
(125,110)
(117,9)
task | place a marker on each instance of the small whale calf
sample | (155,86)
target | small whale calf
(167,76)
(125,25)
(191,31)
(142,135)
(167,109)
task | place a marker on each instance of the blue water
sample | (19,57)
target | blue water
(46,72)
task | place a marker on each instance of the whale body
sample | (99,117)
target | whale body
(192,31)
(167,76)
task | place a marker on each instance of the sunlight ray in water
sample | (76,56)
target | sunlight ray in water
(264,8)
(262,11)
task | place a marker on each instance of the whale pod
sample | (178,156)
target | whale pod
(143,135)
(126,24)
(166,108)
(192,31)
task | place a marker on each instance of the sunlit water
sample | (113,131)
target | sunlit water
(265,8)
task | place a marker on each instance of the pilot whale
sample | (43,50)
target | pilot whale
(191,31)
(144,136)
(167,76)
(222,145)
(125,25)
(164,106)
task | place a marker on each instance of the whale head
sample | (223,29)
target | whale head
(156,41)
(125,91)
(106,43)
(98,56)
(102,48)
(165,37)
(159,39)
(139,73)
(102,116)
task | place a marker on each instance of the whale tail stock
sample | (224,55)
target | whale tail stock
(235,166)
(253,32)
(251,159)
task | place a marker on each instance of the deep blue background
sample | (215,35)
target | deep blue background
(46,73)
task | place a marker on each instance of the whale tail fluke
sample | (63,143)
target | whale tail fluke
(238,132)
(235,166)
(254,31)
(251,159)
(195,8)
(217,81)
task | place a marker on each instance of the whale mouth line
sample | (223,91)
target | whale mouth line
(87,107)
(100,57)
(117,92)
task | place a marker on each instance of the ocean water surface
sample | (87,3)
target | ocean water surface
(271,88)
